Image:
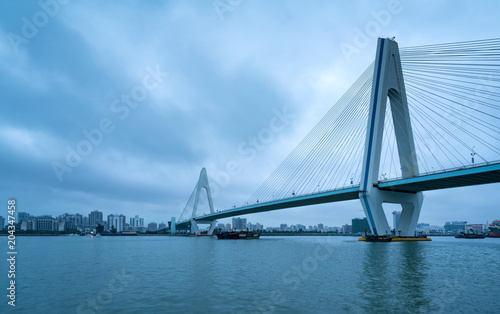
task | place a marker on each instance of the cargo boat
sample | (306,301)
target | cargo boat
(392,238)
(233,235)
(470,235)
(494,232)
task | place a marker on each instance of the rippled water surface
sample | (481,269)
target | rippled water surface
(150,274)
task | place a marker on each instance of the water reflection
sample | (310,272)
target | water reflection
(412,273)
(394,277)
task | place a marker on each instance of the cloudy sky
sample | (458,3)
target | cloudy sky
(117,105)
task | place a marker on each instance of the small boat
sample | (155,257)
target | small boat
(470,235)
(377,238)
(393,238)
(233,235)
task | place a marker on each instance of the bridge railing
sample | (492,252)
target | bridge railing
(463,167)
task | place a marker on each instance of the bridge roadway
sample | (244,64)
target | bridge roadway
(483,174)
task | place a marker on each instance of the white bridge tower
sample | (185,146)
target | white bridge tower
(202,184)
(388,83)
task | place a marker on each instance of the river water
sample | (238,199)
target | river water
(148,274)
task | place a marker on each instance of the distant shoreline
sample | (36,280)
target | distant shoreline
(264,234)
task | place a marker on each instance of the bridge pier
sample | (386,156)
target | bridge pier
(388,83)
(411,203)
(196,230)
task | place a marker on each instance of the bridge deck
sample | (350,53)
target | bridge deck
(313,199)
(442,180)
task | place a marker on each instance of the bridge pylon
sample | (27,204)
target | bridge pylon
(202,184)
(388,82)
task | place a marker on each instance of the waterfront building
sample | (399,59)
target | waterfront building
(95,218)
(396,215)
(360,225)
(321,227)
(301,227)
(239,223)
(477,228)
(136,222)
(454,226)
(85,222)
(347,228)
(116,221)
(283,227)
(2,223)
(22,216)
(27,225)
(222,226)
(152,226)
(72,221)
(45,223)
(258,226)
(161,226)
(423,226)
(60,225)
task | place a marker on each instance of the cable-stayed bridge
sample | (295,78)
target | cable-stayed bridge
(418,119)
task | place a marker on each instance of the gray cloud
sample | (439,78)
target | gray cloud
(224,80)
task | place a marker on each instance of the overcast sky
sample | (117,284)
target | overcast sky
(117,105)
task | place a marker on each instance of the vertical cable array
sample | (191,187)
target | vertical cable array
(330,156)
(453,95)
(188,209)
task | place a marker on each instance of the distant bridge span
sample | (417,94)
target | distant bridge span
(482,174)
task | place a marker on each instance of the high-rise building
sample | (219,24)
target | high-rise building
(258,226)
(46,222)
(301,227)
(136,222)
(116,221)
(360,225)
(221,226)
(455,226)
(22,216)
(85,222)
(320,227)
(95,218)
(162,225)
(347,229)
(239,223)
(2,223)
(152,226)
(423,226)
(395,219)
(72,221)
(283,227)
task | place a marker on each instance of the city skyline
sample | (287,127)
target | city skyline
(138,223)
(128,124)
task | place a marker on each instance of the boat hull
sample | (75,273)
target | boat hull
(237,235)
(371,238)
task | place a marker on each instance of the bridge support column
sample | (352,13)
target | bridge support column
(196,230)
(173,226)
(411,203)
(388,82)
